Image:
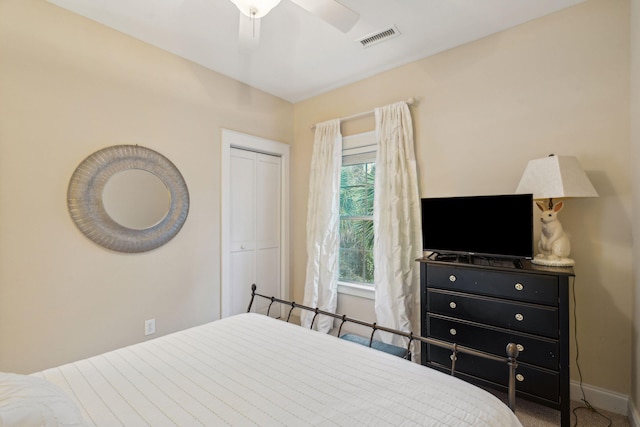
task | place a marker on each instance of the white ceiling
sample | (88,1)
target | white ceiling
(300,55)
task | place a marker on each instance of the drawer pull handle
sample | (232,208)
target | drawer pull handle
(520,377)
(519,317)
(452,278)
(452,304)
(519,287)
(452,331)
(520,348)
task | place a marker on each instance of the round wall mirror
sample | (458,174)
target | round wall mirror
(128,198)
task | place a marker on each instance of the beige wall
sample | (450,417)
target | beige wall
(68,87)
(560,85)
(635,145)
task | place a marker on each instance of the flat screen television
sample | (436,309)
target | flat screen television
(498,226)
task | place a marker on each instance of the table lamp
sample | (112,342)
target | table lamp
(554,177)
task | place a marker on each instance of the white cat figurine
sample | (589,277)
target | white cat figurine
(554,242)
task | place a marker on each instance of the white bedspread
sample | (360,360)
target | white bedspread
(253,370)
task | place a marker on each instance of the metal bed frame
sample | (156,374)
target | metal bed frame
(511,348)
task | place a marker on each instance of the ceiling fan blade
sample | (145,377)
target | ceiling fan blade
(331,11)
(249,32)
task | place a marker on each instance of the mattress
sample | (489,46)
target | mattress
(251,369)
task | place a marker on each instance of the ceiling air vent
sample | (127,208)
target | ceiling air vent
(379,36)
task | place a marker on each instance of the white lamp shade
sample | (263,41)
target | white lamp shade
(555,177)
(255,8)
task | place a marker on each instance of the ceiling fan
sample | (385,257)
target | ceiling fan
(330,11)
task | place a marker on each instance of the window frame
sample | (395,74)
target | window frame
(357,149)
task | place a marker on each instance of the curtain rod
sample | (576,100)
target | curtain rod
(409,101)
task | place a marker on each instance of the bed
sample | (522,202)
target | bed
(251,369)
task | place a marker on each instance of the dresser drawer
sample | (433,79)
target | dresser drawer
(537,381)
(536,351)
(535,288)
(534,319)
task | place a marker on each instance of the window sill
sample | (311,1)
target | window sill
(354,289)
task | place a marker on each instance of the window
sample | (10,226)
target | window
(357,180)
(356,222)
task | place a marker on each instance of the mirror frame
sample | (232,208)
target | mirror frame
(84,198)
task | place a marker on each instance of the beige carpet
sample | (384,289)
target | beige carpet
(533,415)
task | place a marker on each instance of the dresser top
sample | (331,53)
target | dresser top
(511,265)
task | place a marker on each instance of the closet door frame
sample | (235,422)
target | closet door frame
(232,139)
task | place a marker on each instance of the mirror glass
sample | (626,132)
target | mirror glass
(136,199)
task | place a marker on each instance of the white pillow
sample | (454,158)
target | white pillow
(31,401)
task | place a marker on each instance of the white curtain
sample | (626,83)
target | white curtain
(396,220)
(323,221)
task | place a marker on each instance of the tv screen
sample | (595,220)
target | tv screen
(496,226)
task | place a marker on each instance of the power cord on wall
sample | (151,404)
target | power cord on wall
(587,405)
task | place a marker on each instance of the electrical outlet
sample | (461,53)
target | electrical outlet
(150,326)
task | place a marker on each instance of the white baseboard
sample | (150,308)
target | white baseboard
(634,416)
(601,398)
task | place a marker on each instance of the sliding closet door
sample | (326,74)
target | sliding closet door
(268,226)
(255,198)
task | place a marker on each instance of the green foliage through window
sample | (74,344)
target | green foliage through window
(356,223)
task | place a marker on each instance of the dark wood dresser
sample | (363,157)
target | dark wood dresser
(485,304)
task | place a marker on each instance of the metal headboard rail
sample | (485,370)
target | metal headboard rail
(511,348)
